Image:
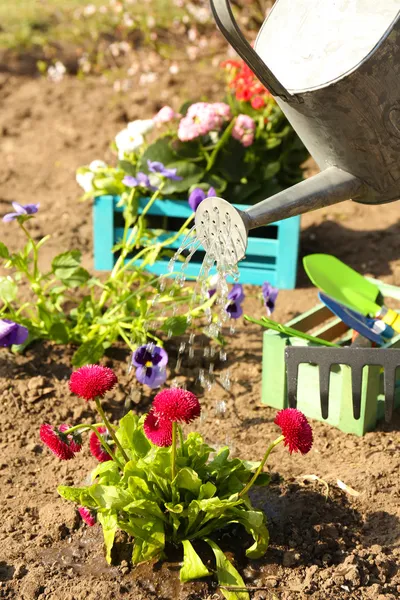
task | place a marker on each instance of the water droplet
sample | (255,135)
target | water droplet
(222,355)
(169,334)
(220,408)
(206,352)
(191,352)
(178,365)
(182,348)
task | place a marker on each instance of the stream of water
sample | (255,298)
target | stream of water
(210,283)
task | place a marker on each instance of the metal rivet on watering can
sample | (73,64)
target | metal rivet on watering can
(334,69)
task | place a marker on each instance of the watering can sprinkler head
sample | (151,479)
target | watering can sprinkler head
(334,70)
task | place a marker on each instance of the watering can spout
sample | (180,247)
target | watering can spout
(328,187)
(223,230)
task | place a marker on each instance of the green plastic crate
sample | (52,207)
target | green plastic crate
(321,323)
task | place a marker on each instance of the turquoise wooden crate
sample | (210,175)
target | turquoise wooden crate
(271,252)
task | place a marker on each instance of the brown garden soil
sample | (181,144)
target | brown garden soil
(335,546)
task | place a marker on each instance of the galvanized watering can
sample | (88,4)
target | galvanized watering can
(334,69)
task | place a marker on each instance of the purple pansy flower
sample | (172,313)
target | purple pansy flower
(141,180)
(150,362)
(235,299)
(198,195)
(158,168)
(11,333)
(21,211)
(270,294)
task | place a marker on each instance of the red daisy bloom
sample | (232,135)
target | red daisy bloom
(92,381)
(95,446)
(176,404)
(74,438)
(158,430)
(296,430)
(89,516)
(63,446)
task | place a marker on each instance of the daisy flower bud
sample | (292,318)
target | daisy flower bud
(89,516)
(95,446)
(62,445)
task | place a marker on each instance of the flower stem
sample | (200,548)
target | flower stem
(110,429)
(102,441)
(34,248)
(173,452)
(181,440)
(260,468)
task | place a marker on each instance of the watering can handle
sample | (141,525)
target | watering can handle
(226,22)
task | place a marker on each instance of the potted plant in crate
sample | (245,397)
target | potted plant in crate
(243,149)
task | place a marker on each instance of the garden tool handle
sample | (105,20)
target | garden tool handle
(226,22)
(392,318)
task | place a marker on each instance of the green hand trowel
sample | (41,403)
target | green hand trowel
(348,287)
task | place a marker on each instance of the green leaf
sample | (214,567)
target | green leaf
(160,151)
(175,325)
(187,479)
(149,538)
(59,333)
(77,278)
(128,167)
(45,316)
(132,436)
(190,174)
(66,267)
(193,567)
(89,352)
(109,523)
(138,487)
(8,289)
(107,473)
(65,264)
(207,490)
(255,525)
(144,508)
(186,149)
(4,253)
(228,575)
(218,183)
(76,494)
(110,496)
(270,170)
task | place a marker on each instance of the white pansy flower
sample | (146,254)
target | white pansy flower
(127,142)
(97,165)
(140,126)
(85,180)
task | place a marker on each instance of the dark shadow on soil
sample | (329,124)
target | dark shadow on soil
(306,527)
(364,251)
(382,528)
(6,571)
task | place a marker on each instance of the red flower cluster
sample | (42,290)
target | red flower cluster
(295,429)
(92,381)
(62,445)
(169,406)
(245,84)
(95,446)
